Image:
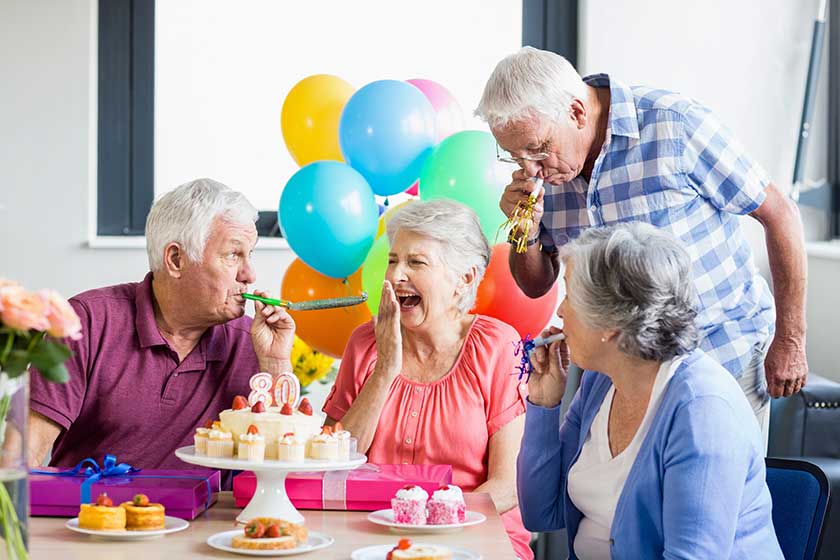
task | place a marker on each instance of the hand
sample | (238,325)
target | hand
(785,366)
(551,366)
(272,334)
(388,333)
(521,187)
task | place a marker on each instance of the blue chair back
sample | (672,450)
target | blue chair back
(800,494)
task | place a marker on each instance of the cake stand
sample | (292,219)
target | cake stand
(270,498)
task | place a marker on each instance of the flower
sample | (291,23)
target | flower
(63,319)
(23,310)
(309,365)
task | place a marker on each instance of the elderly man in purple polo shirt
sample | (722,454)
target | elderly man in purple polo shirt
(161,356)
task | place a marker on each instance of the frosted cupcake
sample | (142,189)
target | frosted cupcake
(219,443)
(409,505)
(290,448)
(252,445)
(447,506)
(324,446)
(200,439)
(346,442)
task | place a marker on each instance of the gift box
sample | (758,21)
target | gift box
(184,493)
(366,488)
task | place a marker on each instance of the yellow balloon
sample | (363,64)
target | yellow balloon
(310,115)
(387,215)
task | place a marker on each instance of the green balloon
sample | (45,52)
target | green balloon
(373,272)
(463,167)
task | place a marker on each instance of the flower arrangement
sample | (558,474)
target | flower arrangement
(31,324)
(310,365)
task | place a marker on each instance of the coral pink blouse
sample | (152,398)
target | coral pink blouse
(449,421)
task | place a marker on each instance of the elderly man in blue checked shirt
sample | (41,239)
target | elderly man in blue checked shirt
(609,153)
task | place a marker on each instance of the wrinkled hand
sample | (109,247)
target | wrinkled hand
(785,367)
(521,187)
(551,367)
(388,333)
(272,334)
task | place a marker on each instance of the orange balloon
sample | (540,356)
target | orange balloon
(325,330)
(499,296)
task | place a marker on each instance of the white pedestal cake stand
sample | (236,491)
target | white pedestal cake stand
(270,498)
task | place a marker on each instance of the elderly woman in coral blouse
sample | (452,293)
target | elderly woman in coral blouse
(428,382)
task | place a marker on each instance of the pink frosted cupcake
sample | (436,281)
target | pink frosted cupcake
(447,506)
(409,505)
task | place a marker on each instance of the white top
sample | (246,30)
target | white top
(597,478)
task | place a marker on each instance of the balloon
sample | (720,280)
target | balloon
(373,272)
(413,189)
(328,214)
(387,215)
(310,115)
(325,330)
(386,131)
(499,296)
(449,118)
(464,168)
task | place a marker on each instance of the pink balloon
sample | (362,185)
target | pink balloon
(412,190)
(449,117)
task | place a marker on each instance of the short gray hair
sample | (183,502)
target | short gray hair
(636,279)
(185,216)
(458,230)
(529,83)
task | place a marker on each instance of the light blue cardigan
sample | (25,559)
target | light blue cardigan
(697,487)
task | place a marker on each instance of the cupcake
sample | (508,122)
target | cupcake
(140,515)
(290,448)
(409,505)
(346,442)
(447,506)
(200,438)
(219,443)
(102,515)
(324,446)
(252,445)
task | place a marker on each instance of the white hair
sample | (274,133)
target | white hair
(636,279)
(529,83)
(185,216)
(457,229)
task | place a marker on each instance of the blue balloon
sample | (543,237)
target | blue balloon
(386,131)
(329,217)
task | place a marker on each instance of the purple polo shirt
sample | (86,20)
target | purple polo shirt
(128,395)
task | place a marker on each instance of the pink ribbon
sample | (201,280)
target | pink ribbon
(334,486)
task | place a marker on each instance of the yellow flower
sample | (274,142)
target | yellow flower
(309,365)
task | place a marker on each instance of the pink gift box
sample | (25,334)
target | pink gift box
(184,493)
(366,488)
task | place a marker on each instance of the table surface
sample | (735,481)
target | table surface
(51,540)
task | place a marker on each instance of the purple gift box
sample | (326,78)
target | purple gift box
(184,493)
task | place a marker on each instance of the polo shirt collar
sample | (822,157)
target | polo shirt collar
(623,118)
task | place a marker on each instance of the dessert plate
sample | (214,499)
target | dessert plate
(224,541)
(170,525)
(386,517)
(379,552)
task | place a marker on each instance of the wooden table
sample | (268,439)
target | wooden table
(50,540)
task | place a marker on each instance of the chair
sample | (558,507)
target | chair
(800,493)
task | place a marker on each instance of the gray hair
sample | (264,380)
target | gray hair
(529,83)
(457,229)
(185,216)
(636,279)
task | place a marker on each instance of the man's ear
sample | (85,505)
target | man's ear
(174,260)
(578,114)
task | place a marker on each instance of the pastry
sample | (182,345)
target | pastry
(252,445)
(200,438)
(409,505)
(219,443)
(346,443)
(324,446)
(102,515)
(140,515)
(265,533)
(290,448)
(405,550)
(446,507)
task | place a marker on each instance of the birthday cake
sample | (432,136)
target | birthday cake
(272,423)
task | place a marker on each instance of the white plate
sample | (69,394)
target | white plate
(378,552)
(223,541)
(386,517)
(170,525)
(187,454)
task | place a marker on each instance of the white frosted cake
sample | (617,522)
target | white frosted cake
(272,425)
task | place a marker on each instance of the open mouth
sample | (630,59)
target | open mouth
(409,301)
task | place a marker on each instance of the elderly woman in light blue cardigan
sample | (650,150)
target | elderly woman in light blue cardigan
(660,455)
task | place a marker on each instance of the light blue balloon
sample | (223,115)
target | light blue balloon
(386,131)
(329,217)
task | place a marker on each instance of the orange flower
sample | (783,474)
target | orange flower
(62,317)
(23,310)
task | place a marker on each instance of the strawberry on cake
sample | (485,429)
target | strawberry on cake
(409,505)
(446,507)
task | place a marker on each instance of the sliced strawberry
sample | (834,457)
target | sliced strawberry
(305,407)
(404,544)
(289,434)
(444,487)
(254,529)
(253,429)
(409,487)
(208,424)
(273,531)
(258,407)
(239,402)
(287,409)
(140,500)
(104,500)
(327,430)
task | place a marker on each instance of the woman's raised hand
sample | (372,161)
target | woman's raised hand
(388,334)
(547,383)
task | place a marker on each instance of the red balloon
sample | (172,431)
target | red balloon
(499,296)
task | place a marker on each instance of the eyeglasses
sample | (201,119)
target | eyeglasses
(507,157)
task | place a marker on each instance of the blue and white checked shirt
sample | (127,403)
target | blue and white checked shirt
(666,160)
